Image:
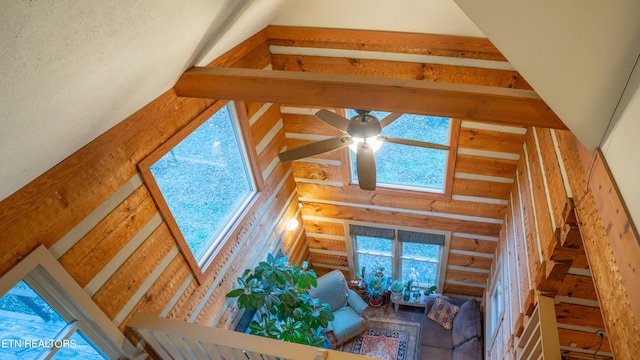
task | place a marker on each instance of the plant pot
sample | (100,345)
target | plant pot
(396,296)
(406,296)
(375,302)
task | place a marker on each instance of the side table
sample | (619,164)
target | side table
(412,302)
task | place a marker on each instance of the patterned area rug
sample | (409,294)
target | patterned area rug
(386,339)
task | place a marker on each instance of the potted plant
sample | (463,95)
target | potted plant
(430,290)
(285,310)
(376,284)
(362,284)
(396,289)
(407,291)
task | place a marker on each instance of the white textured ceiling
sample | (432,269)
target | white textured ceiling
(73,69)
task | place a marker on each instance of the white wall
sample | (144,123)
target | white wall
(621,146)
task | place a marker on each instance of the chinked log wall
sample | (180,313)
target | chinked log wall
(96,216)
(474,214)
(541,250)
(486,158)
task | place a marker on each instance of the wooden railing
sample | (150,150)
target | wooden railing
(540,338)
(175,339)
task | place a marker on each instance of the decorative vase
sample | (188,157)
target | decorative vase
(407,295)
(396,295)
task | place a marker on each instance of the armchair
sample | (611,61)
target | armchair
(347,307)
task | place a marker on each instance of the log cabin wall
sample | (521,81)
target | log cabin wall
(486,157)
(95,215)
(542,251)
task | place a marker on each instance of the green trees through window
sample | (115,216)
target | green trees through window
(399,252)
(206,181)
(421,168)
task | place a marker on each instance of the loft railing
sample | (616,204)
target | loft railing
(540,341)
(175,339)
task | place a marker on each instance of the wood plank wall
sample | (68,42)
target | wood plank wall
(96,216)
(541,251)
(487,154)
(473,215)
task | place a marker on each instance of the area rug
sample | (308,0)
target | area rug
(386,339)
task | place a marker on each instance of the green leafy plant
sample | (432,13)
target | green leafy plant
(428,291)
(279,292)
(396,286)
(376,284)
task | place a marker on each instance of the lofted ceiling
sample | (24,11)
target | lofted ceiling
(71,70)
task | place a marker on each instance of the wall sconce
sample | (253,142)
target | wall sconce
(293,224)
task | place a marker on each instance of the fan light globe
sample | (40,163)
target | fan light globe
(373,141)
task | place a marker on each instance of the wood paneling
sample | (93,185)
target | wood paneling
(479,188)
(407,201)
(400,70)
(441,45)
(486,166)
(326,244)
(323,227)
(319,172)
(481,139)
(473,244)
(479,262)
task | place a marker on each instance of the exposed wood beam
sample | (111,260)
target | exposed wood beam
(470,102)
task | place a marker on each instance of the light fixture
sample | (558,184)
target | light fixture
(373,141)
(293,224)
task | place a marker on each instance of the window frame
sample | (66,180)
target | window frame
(495,303)
(396,256)
(405,190)
(239,117)
(55,285)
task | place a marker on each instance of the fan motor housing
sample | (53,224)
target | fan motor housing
(364,126)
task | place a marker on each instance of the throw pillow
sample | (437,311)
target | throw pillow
(443,313)
(467,323)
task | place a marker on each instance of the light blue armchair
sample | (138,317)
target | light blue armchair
(347,307)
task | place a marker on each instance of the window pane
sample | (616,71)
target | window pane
(374,262)
(27,323)
(77,347)
(375,245)
(421,167)
(421,251)
(205,181)
(427,272)
(420,127)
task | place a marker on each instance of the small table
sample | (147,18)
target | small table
(412,302)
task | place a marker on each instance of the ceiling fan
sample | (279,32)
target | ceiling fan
(362,132)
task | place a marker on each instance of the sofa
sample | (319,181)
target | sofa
(462,342)
(347,307)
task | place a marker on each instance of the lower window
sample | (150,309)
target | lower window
(403,254)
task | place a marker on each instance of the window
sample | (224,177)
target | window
(496,303)
(202,181)
(45,314)
(423,169)
(401,252)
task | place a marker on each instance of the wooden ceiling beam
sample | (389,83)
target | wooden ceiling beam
(463,101)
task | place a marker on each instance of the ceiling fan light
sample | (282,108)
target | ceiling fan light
(372,141)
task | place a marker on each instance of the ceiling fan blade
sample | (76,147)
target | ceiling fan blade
(414,143)
(315,148)
(366,165)
(389,119)
(337,121)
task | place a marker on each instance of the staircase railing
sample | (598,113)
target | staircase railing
(175,339)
